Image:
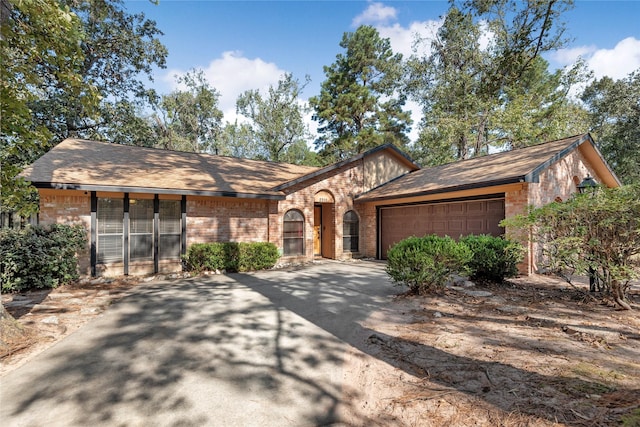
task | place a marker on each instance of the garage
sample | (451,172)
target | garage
(454,219)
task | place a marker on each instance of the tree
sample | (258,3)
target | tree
(277,120)
(118,48)
(40,48)
(189,120)
(237,140)
(499,96)
(359,106)
(614,108)
(594,233)
(68,67)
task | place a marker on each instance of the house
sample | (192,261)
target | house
(143,207)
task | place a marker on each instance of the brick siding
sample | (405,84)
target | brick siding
(212,219)
(71,208)
(557,182)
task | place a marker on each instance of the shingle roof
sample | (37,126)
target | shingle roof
(522,164)
(91,165)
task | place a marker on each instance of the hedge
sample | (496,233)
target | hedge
(231,256)
(39,257)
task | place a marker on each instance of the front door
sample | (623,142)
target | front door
(317,230)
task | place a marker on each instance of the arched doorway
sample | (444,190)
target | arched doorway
(323,224)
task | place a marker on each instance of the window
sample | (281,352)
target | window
(110,230)
(170,229)
(293,238)
(350,232)
(141,229)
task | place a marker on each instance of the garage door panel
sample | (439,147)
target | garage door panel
(456,209)
(477,208)
(453,219)
(455,227)
(496,206)
(476,226)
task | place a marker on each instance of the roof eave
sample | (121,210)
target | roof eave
(152,190)
(451,189)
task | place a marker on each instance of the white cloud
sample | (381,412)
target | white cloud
(616,63)
(232,74)
(374,14)
(569,56)
(403,39)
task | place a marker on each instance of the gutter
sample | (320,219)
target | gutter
(126,189)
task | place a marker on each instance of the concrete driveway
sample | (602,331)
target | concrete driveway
(260,349)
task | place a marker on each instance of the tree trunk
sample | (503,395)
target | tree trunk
(618,295)
(10,331)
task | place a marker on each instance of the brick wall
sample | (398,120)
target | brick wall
(343,184)
(556,183)
(368,229)
(71,208)
(215,219)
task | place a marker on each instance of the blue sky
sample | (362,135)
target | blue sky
(244,45)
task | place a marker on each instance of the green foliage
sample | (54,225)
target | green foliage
(231,256)
(40,47)
(499,94)
(257,256)
(632,419)
(277,120)
(598,231)
(614,108)
(39,257)
(494,258)
(70,68)
(359,106)
(121,51)
(189,120)
(425,263)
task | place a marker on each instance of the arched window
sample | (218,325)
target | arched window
(350,232)
(293,233)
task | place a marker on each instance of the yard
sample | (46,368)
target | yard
(533,351)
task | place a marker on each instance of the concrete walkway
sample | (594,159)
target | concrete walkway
(260,349)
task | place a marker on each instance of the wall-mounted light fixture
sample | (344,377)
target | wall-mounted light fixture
(587,183)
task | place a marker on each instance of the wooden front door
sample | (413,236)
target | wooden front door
(317,230)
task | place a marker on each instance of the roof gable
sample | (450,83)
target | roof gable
(92,165)
(390,149)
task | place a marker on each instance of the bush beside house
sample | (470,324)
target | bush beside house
(39,257)
(493,258)
(427,263)
(231,256)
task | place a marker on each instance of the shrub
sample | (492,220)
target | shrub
(493,258)
(39,257)
(257,256)
(426,263)
(231,256)
(205,256)
(597,234)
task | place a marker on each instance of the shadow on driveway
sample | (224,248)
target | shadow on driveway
(262,349)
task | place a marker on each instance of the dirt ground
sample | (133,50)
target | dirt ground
(529,352)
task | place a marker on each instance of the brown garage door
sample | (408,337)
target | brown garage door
(453,219)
